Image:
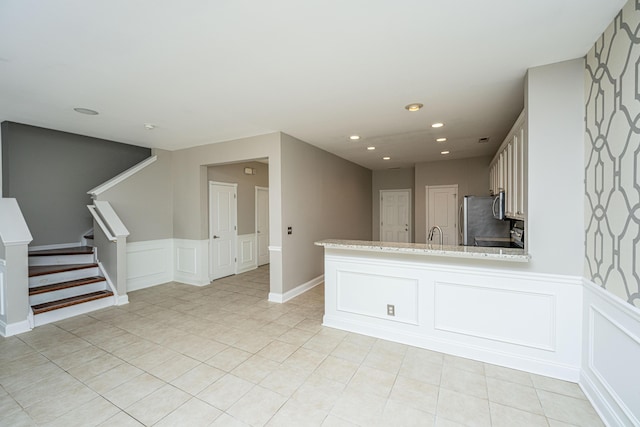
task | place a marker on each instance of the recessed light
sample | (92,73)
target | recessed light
(86,111)
(386,158)
(149,126)
(444,152)
(354,137)
(437,125)
(413,107)
(441,139)
(371,148)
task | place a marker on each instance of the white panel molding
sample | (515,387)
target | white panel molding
(191,261)
(3,290)
(298,290)
(149,263)
(275,248)
(453,315)
(611,349)
(247,253)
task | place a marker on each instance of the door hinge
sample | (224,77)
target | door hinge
(234,195)
(235,260)
(381,223)
(235,228)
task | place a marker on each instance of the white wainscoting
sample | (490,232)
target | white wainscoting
(610,357)
(191,258)
(247,253)
(520,320)
(149,263)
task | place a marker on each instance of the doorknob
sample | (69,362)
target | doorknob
(216,237)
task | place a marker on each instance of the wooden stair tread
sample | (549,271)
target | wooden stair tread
(40,270)
(77,250)
(65,285)
(67,302)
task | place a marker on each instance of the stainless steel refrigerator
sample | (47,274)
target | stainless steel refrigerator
(477,220)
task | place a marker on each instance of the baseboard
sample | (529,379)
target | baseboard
(298,290)
(8,330)
(611,349)
(122,300)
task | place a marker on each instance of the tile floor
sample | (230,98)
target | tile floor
(221,355)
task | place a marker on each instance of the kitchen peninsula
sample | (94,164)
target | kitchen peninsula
(472,302)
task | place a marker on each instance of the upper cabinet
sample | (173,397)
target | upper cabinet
(507,170)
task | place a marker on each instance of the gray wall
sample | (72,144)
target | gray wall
(234,173)
(391,179)
(49,173)
(471,175)
(190,189)
(144,201)
(323,197)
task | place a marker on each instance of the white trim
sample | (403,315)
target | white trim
(8,330)
(298,290)
(255,217)
(3,291)
(94,192)
(275,248)
(122,300)
(607,379)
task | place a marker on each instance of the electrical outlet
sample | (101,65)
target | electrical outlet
(391,310)
(289,230)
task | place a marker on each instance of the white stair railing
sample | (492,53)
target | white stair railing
(110,241)
(14,269)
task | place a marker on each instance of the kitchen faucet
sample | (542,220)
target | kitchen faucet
(431,230)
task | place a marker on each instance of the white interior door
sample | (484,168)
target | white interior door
(395,215)
(262,224)
(442,204)
(223,230)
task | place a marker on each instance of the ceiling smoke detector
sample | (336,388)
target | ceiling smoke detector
(483,140)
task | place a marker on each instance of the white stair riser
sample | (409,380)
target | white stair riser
(61,259)
(67,293)
(73,310)
(48,279)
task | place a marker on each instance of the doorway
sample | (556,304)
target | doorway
(395,215)
(223,230)
(262,225)
(442,204)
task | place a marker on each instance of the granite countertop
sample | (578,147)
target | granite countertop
(474,252)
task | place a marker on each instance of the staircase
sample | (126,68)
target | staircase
(66,282)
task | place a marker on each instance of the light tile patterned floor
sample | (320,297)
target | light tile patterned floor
(221,355)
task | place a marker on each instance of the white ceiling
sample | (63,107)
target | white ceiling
(319,70)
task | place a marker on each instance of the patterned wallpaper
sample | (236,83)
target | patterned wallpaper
(612,157)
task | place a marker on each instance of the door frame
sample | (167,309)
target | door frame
(410,230)
(258,188)
(235,220)
(426,212)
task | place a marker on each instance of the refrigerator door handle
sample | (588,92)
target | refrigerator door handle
(460,225)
